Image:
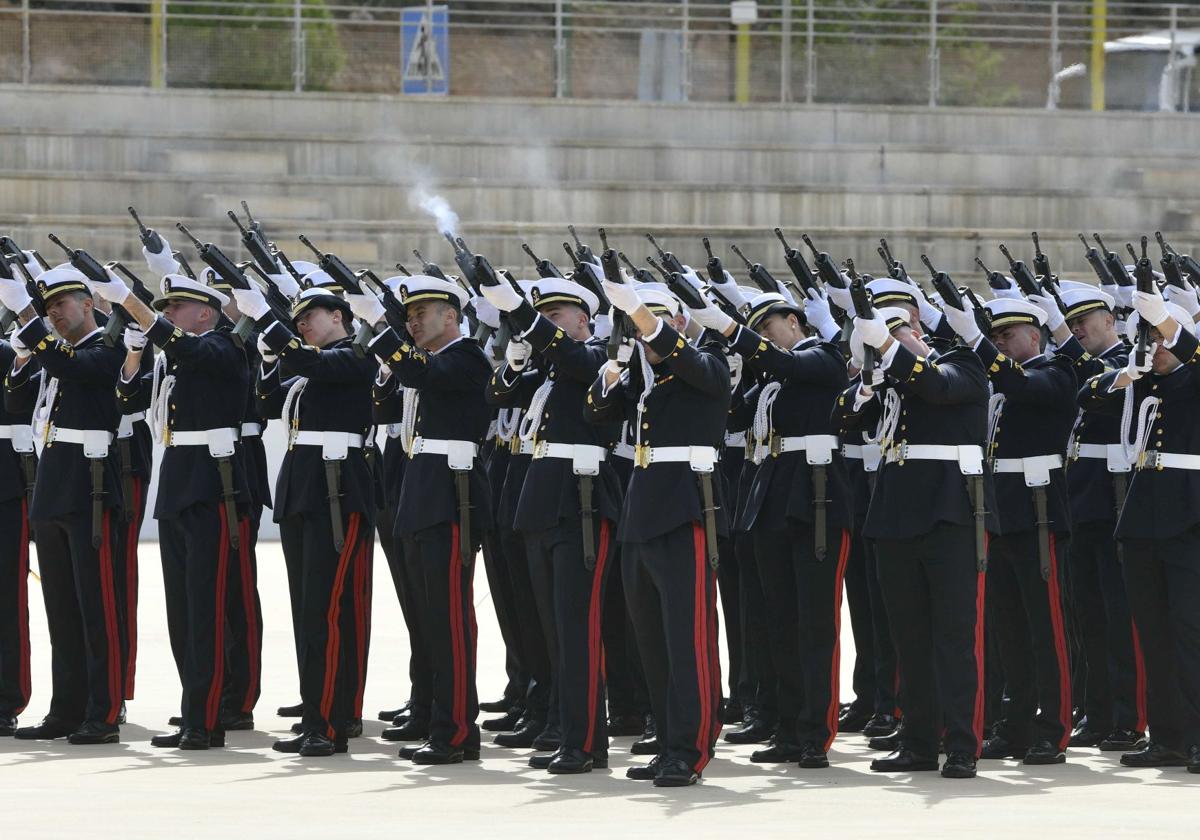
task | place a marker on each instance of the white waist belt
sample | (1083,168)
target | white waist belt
(460,454)
(735,440)
(701,458)
(1168,460)
(625,450)
(1035,468)
(968,456)
(251,429)
(1113,453)
(334,445)
(521,447)
(869,453)
(125,428)
(585,459)
(817,449)
(221,442)
(21,437)
(95,442)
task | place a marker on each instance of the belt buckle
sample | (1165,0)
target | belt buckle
(641,455)
(901,450)
(1149,461)
(1075,450)
(539,449)
(774,444)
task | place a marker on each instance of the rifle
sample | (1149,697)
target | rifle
(863,309)
(465,260)
(1049,282)
(487,276)
(622,329)
(151,241)
(583,275)
(332,265)
(1114,264)
(944,286)
(291,269)
(994,278)
(1187,264)
(86,264)
(668,259)
(896,269)
(255,244)
(1143,272)
(1024,278)
(640,274)
(583,253)
(692,297)
(826,269)
(758,274)
(544,268)
(15,256)
(796,262)
(1097,263)
(430,268)
(1170,264)
(228,271)
(400,267)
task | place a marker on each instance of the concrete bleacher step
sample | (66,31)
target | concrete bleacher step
(223,162)
(283,207)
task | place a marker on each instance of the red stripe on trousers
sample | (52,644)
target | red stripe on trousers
(457,649)
(217,683)
(131,585)
(831,712)
(108,597)
(1060,648)
(360,626)
(251,611)
(333,636)
(980,639)
(1139,670)
(23,607)
(595,646)
(700,641)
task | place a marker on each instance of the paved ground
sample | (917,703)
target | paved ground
(246,790)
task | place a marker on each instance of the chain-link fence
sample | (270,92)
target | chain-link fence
(924,52)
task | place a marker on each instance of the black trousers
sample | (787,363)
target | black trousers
(79,586)
(874,679)
(1115,678)
(1027,615)
(728,586)
(198,559)
(405,580)
(15,683)
(244,626)
(887,674)
(335,612)
(935,602)
(535,654)
(672,594)
(804,614)
(495,566)
(761,687)
(572,595)
(1162,578)
(127,587)
(449,630)
(627,693)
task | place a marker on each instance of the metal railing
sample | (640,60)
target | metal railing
(926,52)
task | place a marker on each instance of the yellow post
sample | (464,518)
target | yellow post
(741,88)
(1099,36)
(157,23)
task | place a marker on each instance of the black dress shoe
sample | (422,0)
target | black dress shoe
(505,723)
(316,745)
(576,761)
(621,726)
(237,721)
(1044,752)
(501,705)
(1123,740)
(644,772)
(886,743)
(732,712)
(49,729)
(8,724)
(1000,747)
(389,715)
(433,753)
(413,730)
(904,761)
(541,761)
(755,730)
(200,739)
(175,720)
(959,765)
(1194,758)
(778,753)
(409,750)
(522,737)
(289,745)
(880,725)
(813,757)
(549,738)
(674,772)
(1155,755)
(170,741)
(298,728)
(291,711)
(853,720)
(1085,736)
(353,728)
(93,732)
(645,746)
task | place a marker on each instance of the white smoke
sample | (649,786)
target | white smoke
(437,207)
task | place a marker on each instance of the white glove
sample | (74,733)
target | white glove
(22,351)
(163,262)
(729,290)
(816,312)
(268,355)
(1150,306)
(1184,298)
(366,307)
(856,350)
(1135,371)
(1054,315)
(735,369)
(134,339)
(840,297)
(603,327)
(712,318)
(1122,294)
(624,353)
(114,291)
(873,331)
(962,321)
(286,283)
(503,296)
(517,354)
(1009,291)
(251,303)
(622,296)
(13,295)
(486,312)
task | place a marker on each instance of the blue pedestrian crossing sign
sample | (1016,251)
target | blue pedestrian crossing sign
(425,49)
